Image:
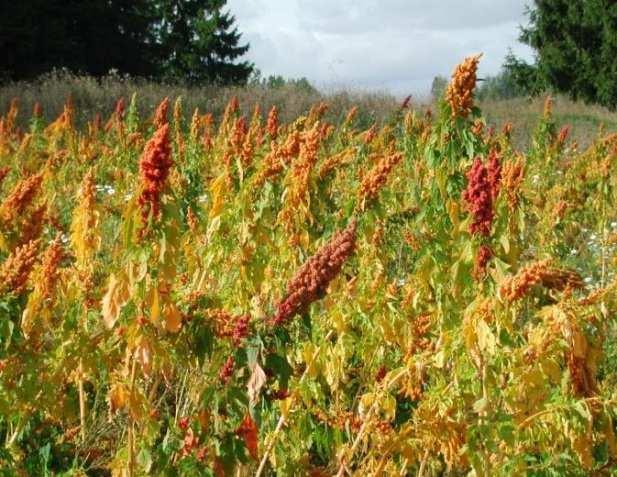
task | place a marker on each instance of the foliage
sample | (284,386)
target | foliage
(199,42)
(523,76)
(95,36)
(575,44)
(278,81)
(247,296)
(438,87)
(509,83)
(178,40)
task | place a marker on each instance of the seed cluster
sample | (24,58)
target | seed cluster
(49,268)
(312,279)
(84,235)
(20,197)
(479,198)
(33,226)
(295,210)
(512,177)
(160,115)
(229,326)
(272,123)
(483,256)
(375,179)
(335,161)
(459,94)
(17,267)
(493,169)
(227,370)
(539,273)
(341,420)
(154,168)
(279,157)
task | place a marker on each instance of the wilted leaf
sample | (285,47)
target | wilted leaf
(113,301)
(486,338)
(256,382)
(366,401)
(118,397)
(173,318)
(217,191)
(143,354)
(155,306)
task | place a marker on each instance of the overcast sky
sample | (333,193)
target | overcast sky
(394,45)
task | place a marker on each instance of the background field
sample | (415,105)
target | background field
(92,96)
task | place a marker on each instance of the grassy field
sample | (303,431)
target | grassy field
(586,121)
(91,96)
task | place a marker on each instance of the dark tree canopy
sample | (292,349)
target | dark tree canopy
(198,41)
(185,40)
(575,42)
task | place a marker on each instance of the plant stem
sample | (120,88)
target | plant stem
(131,423)
(281,421)
(82,401)
(367,419)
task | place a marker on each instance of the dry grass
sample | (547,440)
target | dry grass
(586,121)
(92,96)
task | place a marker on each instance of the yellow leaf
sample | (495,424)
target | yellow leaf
(285,405)
(469,331)
(453,212)
(552,369)
(339,321)
(505,243)
(155,307)
(307,356)
(366,401)
(118,397)
(388,405)
(440,359)
(32,310)
(582,445)
(173,318)
(486,338)
(610,436)
(143,354)
(113,301)
(217,191)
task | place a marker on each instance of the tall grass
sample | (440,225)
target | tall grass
(586,121)
(91,95)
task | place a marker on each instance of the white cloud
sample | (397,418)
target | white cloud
(399,45)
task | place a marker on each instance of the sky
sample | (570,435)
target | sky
(397,46)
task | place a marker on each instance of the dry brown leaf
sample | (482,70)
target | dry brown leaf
(173,318)
(256,382)
(113,301)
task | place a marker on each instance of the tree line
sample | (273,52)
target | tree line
(196,41)
(574,44)
(192,40)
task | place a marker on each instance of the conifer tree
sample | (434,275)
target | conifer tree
(200,43)
(175,40)
(575,43)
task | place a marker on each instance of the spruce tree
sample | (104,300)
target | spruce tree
(84,36)
(200,43)
(175,40)
(575,42)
